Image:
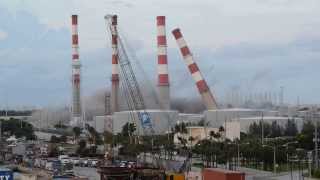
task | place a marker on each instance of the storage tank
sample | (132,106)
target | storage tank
(222,174)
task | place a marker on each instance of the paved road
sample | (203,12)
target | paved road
(91,173)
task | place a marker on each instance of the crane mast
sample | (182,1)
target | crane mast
(129,81)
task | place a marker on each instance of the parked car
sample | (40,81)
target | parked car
(75,161)
(84,162)
(93,162)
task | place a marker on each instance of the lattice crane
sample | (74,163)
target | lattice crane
(129,81)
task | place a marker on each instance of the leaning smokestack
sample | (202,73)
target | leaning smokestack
(163,77)
(76,100)
(203,88)
(115,66)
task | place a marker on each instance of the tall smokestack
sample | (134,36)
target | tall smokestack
(76,100)
(203,88)
(163,77)
(115,66)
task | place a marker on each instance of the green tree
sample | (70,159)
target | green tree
(95,137)
(128,129)
(82,149)
(76,132)
(60,126)
(54,139)
(291,128)
(276,130)
(18,128)
(181,128)
(305,138)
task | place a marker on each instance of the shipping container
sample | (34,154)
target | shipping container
(222,174)
(175,176)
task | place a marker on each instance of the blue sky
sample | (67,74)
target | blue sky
(250,46)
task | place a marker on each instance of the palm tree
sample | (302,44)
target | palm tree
(76,133)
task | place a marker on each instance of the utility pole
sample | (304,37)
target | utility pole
(0,131)
(315,138)
(274,160)
(262,128)
(238,159)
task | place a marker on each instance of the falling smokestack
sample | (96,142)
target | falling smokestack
(163,77)
(203,88)
(115,66)
(76,100)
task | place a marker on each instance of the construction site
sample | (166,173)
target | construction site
(126,89)
(148,122)
(148,128)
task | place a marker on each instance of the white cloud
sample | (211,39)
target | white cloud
(205,23)
(227,26)
(3,35)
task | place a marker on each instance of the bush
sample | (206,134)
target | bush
(316,173)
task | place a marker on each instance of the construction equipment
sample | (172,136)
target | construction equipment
(129,81)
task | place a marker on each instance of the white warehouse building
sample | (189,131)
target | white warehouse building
(162,120)
(217,118)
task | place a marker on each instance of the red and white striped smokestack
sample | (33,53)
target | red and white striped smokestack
(202,86)
(76,100)
(163,75)
(115,66)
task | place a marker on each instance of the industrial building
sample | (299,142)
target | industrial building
(164,119)
(218,117)
(198,133)
(245,122)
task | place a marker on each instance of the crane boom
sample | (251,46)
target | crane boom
(129,81)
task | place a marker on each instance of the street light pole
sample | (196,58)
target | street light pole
(274,157)
(287,148)
(238,152)
(316,144)
(262,128)
(238,159)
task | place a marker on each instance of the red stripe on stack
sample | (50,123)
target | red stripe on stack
(162,41)
(114,20)
(74,19)
(162,59)
(202,86)
(161,20)
(114,59)
(115,77)
(176,33)
(185,51)
(75,39)
(75,56)
(193,68)
(163,78)
(114,40)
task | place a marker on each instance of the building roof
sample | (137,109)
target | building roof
(267,118)
(223,171)
(149,110)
